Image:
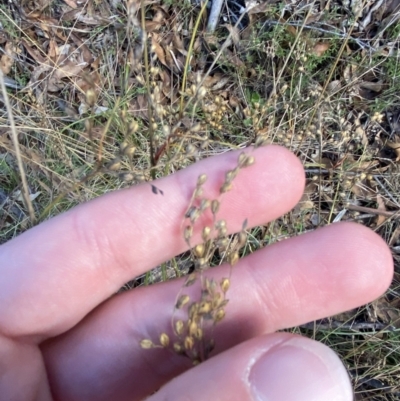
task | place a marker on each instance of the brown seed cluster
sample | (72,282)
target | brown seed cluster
(192,336)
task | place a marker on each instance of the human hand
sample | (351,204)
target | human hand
(64,336)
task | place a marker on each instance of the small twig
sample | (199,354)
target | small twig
(214,15)
(25,188)
(386,191)
(348,326)
(395,214)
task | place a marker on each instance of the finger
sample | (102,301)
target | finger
(54,274)
(318,274)
(278,367)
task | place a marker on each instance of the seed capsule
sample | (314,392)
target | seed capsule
(182,301)
(204,204)
(189,342)
(219,315)
(146,344)
(178,348)
(133,127)
(188,233)
(215,206)
(201,263)
(204,307)
(179,326)
(114,164)
(199,334)
(227,186)
(129,151)
(206,233)
(224,284)
(202,179)
(164,340)
(192,328)
(201,93)
(90,97)
(199,250)
(233,258)
(126,177)
(249,161)
(123,145)
(190,280)
(198,192)
(242,239)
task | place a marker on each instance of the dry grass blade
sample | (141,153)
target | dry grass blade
(24,181)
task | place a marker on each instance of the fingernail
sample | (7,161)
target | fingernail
(299,370)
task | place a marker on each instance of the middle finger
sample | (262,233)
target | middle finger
(287,284)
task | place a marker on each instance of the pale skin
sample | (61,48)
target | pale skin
(64,335)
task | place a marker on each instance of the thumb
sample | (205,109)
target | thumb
(276,367)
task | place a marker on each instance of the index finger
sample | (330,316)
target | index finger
(56,273)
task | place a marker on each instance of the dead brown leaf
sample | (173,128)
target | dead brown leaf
(87,55)
(320,48)
(381,207)
(387,311)
(69,69)
(396,147)
(158,50)
(71,3)
(7,59)
(306,202)
(262,7)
